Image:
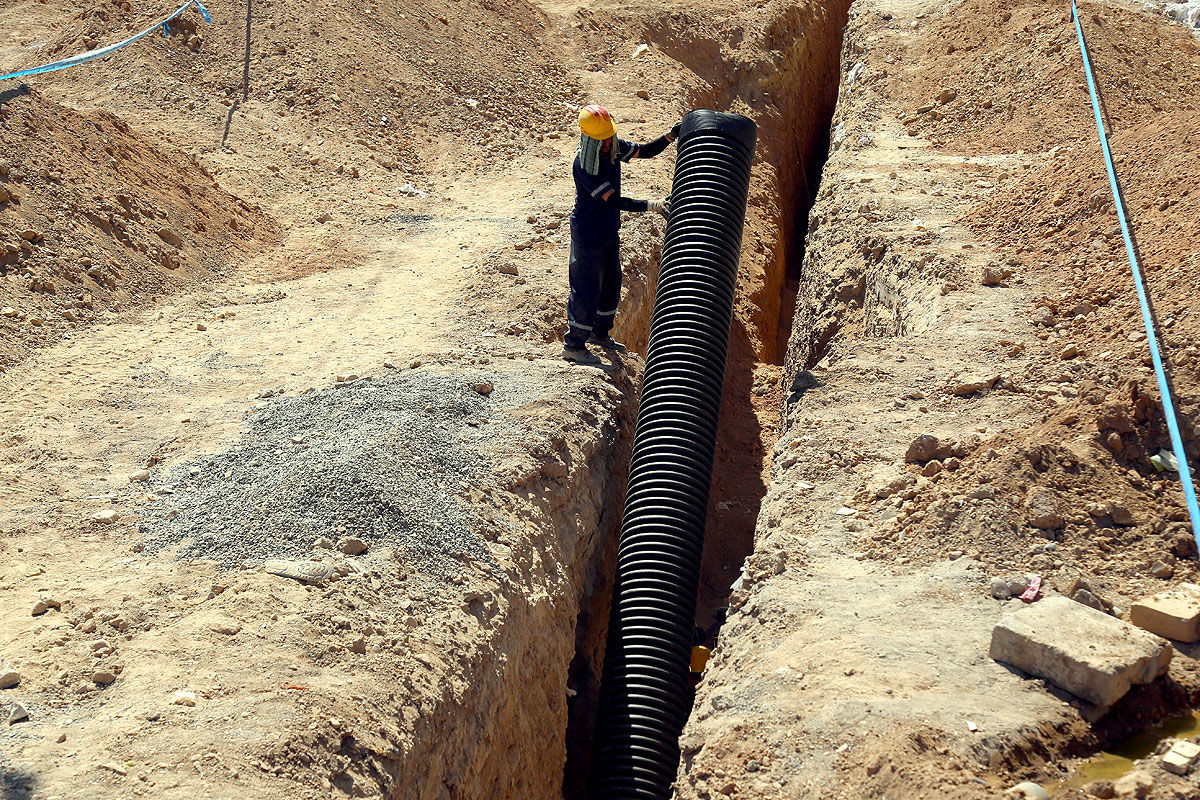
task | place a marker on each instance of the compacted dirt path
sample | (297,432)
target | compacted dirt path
(175,377)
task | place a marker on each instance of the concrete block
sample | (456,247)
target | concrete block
(1173,614)
(1181,757)
(1093,656)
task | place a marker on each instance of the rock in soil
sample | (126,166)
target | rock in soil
(1181,757)
(9,677)
(43,605)
(1136,784)
(1093,656)
(105,516)
(923,448)
(1102,789)
(352,546)
(1042,510)
(1027,791)
(1173,614)
(17,712)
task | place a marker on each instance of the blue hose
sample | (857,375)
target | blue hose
(1185,474)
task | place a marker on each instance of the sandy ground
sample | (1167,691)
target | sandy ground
(223,230)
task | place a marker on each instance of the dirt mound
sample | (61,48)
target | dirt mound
(389,87)
(962,278)
(1109,515)
(311,115)
(97,217)
(1011,72)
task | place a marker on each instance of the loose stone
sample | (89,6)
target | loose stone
(9,677)
(352,546)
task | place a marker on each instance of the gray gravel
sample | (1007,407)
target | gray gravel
(381,460)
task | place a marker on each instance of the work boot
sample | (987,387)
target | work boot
(607,342)
(580,355)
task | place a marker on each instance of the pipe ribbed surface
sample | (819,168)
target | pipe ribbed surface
(644,693)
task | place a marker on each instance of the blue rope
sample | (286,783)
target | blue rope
(92,55)
(1185,474)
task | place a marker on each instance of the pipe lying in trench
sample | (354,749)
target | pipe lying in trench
(644,693)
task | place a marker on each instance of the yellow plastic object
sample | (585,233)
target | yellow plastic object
(596,122)
(700,655)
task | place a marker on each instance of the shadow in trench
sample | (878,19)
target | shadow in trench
(738,484)
(793,103)
(591,627)
(741,472)
(17,784)
(812,163)
(8,95)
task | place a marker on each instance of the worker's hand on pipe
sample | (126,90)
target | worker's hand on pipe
(661,206)
(674,134)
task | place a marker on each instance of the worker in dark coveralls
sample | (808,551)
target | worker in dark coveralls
(595,267)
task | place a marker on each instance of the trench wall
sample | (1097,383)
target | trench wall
(841,673)
(489,716)
(777,64)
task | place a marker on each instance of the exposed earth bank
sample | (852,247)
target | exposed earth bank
(296,299)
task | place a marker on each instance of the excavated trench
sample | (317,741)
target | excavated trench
(784,76)
(792,98)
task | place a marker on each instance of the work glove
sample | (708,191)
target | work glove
(674,134)
(661,206)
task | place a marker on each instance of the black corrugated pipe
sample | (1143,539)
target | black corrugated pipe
(645,697)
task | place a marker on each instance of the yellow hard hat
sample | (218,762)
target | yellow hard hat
(596,122)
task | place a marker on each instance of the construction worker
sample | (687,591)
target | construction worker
(595,266)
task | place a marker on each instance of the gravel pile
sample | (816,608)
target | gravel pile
(383,461)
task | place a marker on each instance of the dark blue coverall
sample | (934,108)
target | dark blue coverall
(595,266)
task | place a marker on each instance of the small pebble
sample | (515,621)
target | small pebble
(1028,791)
(9,677)
(352,546)
(43,605)
(1160,570)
